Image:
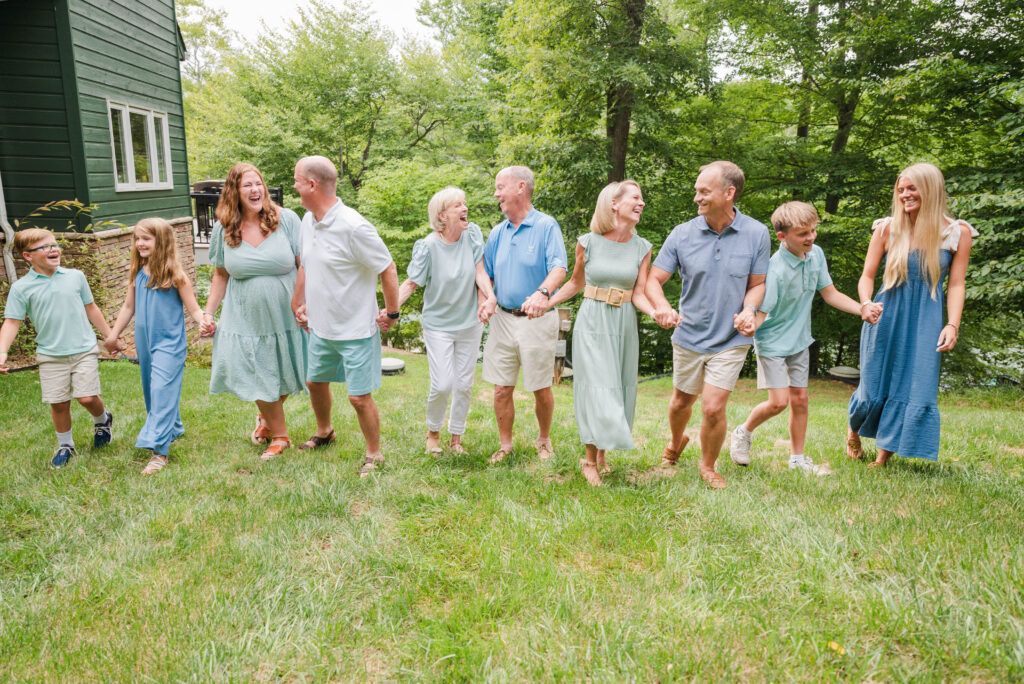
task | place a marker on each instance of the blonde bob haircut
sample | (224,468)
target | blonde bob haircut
(165,270)
(604,220)
(439,203)
(24,239)
(794,215)
(926,230)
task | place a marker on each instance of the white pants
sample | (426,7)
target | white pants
(452,359)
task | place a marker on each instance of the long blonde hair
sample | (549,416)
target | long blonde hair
(604,219)
(165,271)
(926,231)
(229,208)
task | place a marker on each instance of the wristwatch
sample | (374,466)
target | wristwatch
(393,315)
(544,291)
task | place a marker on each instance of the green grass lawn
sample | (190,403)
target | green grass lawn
(225,568)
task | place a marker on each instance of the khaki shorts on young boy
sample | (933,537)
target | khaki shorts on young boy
(62,378)
(780,372)
(690,369)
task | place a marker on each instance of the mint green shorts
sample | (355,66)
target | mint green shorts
(354,362)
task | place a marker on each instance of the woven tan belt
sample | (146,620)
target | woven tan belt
(612,296)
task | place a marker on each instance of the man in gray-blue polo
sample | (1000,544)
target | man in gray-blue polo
(525,257)
(722,258)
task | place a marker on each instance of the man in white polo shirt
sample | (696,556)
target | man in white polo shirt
(342,256)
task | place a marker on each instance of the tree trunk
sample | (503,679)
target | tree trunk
(846,106)
(620,95)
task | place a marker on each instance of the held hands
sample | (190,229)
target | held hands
(487,309)
(209,326)
(947,338)
(301,318)
(745,322)
(870,312)
(666,317)
(385,322)
(114,345)
(535,305)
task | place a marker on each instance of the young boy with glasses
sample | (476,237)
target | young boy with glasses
(60,304)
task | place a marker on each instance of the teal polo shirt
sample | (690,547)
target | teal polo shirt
(56,304)
(789,290)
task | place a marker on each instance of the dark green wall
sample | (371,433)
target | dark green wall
(127,51)
(36,147)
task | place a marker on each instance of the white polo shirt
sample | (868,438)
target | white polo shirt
(342,256)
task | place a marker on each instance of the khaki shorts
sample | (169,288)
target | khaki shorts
(691,370)
(779,372)
(515,341)
(64,377)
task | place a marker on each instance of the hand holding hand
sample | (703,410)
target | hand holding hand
(385,322)
(667,317)
(301,318)
(871,312)
(745,322)
(535,305)
(112,345)
(947,338)
(487,309)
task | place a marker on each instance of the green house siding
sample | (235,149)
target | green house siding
(127,52)
(36,143)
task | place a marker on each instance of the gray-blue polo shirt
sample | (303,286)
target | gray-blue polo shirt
(714,268)
(519,259)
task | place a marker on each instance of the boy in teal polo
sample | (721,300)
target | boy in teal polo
(60,304)
(796,271)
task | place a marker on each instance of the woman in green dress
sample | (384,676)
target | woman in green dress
(611,270)
(259,352)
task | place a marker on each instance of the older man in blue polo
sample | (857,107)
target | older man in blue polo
(525,257)
(722,258)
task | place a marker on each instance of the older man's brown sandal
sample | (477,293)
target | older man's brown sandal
(670,456)
(315,442)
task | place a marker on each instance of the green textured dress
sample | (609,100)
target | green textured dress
(259,351)
(606,346)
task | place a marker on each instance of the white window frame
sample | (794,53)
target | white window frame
(123,110)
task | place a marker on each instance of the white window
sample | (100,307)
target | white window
(140,148)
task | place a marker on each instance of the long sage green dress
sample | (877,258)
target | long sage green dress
(606,346)
(259,351)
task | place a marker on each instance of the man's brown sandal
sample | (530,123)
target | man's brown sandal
(370,464)
(669,456)
(500,455)
(712,479)
(315,442)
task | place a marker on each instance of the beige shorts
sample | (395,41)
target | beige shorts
(64,377)
(515,341)
(691,370)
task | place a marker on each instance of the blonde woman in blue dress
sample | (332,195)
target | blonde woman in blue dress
(611,268)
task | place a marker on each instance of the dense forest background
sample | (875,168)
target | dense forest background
(821,101)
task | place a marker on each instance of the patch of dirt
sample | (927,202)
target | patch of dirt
(1015,450)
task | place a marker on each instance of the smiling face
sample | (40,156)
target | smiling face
(456,216)
(799,240)
(909,196)
(251,192)
(145,242)
(509,192)
(629,207)
(44,256)
(711,194)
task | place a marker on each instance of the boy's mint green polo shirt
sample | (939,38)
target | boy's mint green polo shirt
(56,305)
(789,290)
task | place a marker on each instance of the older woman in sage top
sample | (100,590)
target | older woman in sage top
(457,300)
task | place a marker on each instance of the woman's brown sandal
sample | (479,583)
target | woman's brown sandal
(261,433)
(590,473)
(277,446)
(315,442)
(854,449)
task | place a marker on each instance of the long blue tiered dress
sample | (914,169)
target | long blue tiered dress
(606,346)
(161,345)
(896,402)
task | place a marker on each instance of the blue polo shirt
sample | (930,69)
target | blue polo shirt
(518,259)
(714,268)
(56,305)
(789,289)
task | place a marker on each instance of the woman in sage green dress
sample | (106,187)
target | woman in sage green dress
(611,270)
(259,351)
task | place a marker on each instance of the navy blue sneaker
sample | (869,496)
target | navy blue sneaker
(102,433)
(62,456)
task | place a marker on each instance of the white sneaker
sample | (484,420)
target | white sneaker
(807,465)
(739,446)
